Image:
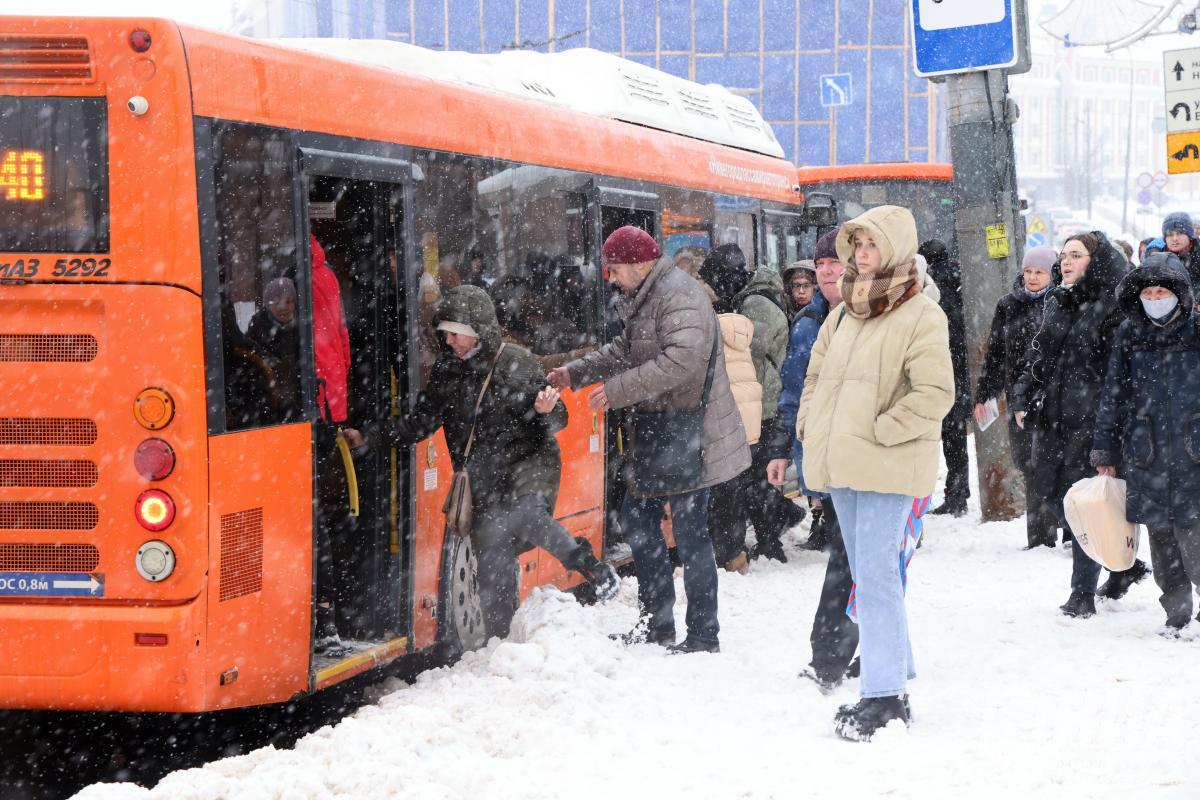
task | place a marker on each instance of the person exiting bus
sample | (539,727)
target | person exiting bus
(514,462)
(667,366)
(331,354)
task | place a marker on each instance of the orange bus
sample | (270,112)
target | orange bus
(924,188)
(157,483)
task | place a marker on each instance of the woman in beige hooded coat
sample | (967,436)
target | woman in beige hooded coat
(878,384)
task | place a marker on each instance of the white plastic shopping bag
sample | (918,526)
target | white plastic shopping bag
(1095,509)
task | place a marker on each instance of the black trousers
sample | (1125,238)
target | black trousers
(834,636)
(332,509)
(748,497)
(1041,526)
(1175,555)
(954,448)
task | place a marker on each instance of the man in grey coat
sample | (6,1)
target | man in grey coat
(660,363)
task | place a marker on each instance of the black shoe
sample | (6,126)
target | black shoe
(771,548)
(603,578)
(1079,604)
(642,633)
(859,722)
(824,685)
(1036,545)
(817,538)
(1177,622)
(691,645)
(1118,583)
(953,507)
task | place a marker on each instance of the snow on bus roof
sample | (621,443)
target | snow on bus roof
(580,79)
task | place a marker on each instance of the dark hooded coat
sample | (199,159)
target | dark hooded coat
(1066,363)
(947,275)
(1014,323)
(1149,419)
(515,452)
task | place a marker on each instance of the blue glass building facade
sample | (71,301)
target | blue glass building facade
(778,53)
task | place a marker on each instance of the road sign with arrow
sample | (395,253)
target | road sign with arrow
(1181,81)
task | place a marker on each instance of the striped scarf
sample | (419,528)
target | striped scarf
(869,296)
(914,524)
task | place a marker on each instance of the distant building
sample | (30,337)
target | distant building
(777,53)
(1076,123)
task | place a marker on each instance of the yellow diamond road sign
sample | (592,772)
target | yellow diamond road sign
(1181,84)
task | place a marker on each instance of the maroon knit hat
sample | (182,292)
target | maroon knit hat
(629,245)
(827,246)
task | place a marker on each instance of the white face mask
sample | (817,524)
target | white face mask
(1160,309)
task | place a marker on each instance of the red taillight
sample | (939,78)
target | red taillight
(150,639)
(154,459)
(139,40)
(155,510)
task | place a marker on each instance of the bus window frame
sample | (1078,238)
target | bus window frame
(793,219)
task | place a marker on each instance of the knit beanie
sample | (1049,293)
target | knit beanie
(1042,258)
(629,245)
(827,246)
(1178,222)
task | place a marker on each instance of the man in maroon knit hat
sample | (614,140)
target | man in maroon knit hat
(660,368)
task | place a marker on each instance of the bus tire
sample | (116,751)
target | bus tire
(460,614)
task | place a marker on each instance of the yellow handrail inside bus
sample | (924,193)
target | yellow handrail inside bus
(351,476)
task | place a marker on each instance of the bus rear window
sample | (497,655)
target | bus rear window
(53,175)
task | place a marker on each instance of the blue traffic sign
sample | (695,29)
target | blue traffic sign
(1143,198)
(836,89)
(51,584)
(952,36)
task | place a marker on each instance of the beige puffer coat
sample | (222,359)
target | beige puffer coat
(660,361)
(877,389)
(737,332)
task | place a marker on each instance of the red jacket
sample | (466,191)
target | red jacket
(331,340)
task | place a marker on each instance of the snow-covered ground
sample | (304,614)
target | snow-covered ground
(1013,701)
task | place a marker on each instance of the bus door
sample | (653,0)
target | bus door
(611,206)
(782,236)
(355,211)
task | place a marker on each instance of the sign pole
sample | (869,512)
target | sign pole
(985,194)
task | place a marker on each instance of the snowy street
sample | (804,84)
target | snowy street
(1012,700)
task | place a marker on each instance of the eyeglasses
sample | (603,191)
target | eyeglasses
(1068,255)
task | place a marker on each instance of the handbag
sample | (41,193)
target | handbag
(668,446)
(458,507)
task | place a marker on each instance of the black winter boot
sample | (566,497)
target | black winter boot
(603,578)
(691,645)
(771,549)
(1079,604)
(859,722)
(1118,583)
(817,537)
(328,642)
(642,633)
(955,507)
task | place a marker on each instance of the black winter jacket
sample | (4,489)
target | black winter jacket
(1149,420)
(1014,323)
(947,275)
(1066,363)
(515,452)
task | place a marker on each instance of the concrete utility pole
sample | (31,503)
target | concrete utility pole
(985,193)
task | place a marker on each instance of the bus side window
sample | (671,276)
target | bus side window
(259,300)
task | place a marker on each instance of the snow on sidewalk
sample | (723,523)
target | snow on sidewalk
(1013,700)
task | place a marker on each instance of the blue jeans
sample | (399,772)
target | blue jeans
(641,519)
(873,530)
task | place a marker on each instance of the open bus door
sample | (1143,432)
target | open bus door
(355,210)
(613,205)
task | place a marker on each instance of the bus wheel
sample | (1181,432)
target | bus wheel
(461,613)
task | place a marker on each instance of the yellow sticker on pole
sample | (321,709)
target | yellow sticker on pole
(997,240)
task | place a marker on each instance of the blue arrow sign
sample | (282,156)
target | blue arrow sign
(952,36)
(51,584)
(836,89)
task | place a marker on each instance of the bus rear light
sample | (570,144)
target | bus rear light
(155,510)
(150,639)
(153,409)
(154,459)
(139,40)
(155,560)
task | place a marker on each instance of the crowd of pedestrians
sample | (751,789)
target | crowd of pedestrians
(851,367)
